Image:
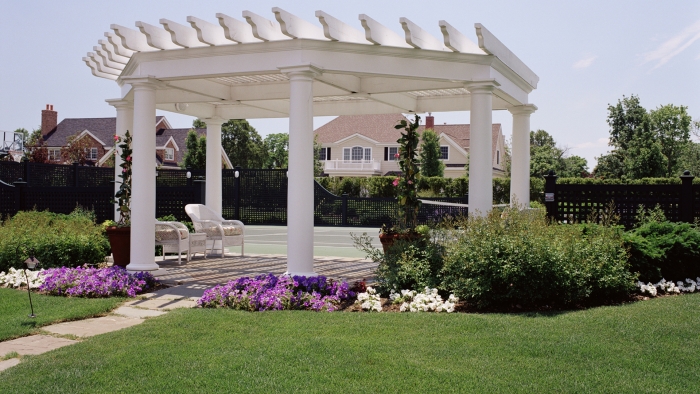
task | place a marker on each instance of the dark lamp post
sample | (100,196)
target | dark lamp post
(30,263)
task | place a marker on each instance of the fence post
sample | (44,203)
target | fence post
(687,209)
(19,194)
(237,174)
(550,190)
(344,212)
(26,170)
(202,183)
(76,183)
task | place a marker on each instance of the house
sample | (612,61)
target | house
(170,142)
(365,145)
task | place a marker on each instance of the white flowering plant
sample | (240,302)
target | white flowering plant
(15,278)
(668,287)
(370,300)
(427,301)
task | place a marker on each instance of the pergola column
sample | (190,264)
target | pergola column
(213,192)
(480,148)
(143,185)
(300,191)
(125,121)
(520,158)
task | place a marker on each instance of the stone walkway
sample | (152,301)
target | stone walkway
(188,282)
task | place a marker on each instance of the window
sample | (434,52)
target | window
(498,156)
(169,154)
(324,154)
(55,154)
(444,153)
(357,154)
(393,151)
(93,154)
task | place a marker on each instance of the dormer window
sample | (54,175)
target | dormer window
(444,153)
(169,154)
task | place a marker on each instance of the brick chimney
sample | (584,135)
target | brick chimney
(49,120)
(429,121)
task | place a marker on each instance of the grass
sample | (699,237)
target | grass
(648,346)
(14,310)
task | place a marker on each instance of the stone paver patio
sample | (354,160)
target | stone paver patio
(215,270)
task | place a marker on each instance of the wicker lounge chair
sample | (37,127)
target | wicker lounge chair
(226,232)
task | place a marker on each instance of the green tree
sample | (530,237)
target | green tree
(671,127)
(199,124)
(242,144)
(627,120)
(610,166)
(690,157)
(318,164)
(574,167)
(196,154)
(277,147)
(430,163)
(545,155)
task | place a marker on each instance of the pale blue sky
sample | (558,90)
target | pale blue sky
(587,54)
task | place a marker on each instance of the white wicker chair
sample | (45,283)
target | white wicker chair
(174,237)
(228,232)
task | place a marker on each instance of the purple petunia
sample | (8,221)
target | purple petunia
(95,282)
(269,292)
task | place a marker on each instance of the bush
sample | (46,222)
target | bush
(408,264)
(517,258)
(664,250)
(57,240)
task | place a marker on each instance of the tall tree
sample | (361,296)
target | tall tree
(546,156)
(671,127)
(318,164)
(196,154)
(242,144)
(277,147)
(627,120)
(199,124)
(430,163)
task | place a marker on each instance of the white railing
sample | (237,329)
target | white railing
(352,165)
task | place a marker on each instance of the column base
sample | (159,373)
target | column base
(307,274)
(139,267)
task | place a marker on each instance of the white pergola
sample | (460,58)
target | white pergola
(289,67)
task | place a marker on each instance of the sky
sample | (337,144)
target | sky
(588,54)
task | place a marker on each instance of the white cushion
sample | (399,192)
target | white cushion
(170,234)
(228,231)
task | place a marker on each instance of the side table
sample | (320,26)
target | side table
(198,244)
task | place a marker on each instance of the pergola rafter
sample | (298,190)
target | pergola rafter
(286,66)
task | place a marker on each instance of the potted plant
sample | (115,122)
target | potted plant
(120,233)
(406,187)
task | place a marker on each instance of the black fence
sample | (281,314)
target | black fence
(571,203)
(253,196)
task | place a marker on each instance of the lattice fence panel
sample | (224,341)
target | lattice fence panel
(11,171)
(173,178)
(66,199)
(228,193)
(263,196)
(42,175)
(581,203)
(328,208)
(430,213)
(172,200)
(95,176)
(371,212)
(8,200)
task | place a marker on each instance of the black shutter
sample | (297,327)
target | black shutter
(386,153)
(328,153)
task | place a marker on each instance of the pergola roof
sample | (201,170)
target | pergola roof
(236,69)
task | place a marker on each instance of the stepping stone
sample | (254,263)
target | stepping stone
(8,363)
(162,304)
(90,327)
(190,290)
(137,313)
(35,344)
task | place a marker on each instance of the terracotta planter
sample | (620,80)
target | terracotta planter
(120,241)
(388,240)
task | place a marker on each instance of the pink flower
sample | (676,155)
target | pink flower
(396,182)
(124,170)
(410,182)
(396,155)
(116,137)
(128,158)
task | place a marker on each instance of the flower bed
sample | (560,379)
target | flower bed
(269,292)
(668,287)
(95,282)
(15,279)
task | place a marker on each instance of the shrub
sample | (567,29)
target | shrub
(413,264)
(518,258)
(664,250)
(57,240)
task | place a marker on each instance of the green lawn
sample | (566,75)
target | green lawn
(14,311)
(649,346)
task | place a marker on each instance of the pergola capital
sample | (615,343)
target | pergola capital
(525,109)
(303,71)
(120,104)
(214,120)
(480,87)
(139,82)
